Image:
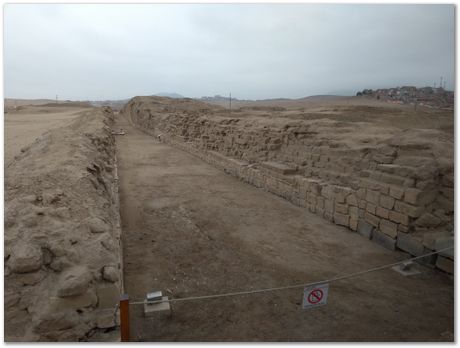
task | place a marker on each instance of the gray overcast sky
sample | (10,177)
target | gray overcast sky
(254,51)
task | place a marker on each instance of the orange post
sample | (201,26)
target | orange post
(124,318)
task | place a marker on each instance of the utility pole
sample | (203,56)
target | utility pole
(230,101)
(440,84)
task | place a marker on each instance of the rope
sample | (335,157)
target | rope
(334,279)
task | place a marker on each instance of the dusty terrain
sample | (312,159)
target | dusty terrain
(62,255)
(25,125)
(189,229)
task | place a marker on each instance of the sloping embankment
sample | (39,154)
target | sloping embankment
(392,185)
(63,272)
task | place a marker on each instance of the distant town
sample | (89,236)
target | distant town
(426,96)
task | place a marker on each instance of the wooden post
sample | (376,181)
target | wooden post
(124,318)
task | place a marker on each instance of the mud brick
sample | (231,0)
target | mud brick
(329,206)
(383,240)
(445,264)
(387,202)
(311,198)
(403,228)
(408,209)
(374,175)
(384,188)
(382,212)
(373,197)
(426,185)
(389,228)
(319,211)
(383,159)
(328,192)
(361,212)
(316,188)
(408,182)
(353,223)
(352,200)
(361,193)
(341,219)
(390,168)
(445,203)
(277,167)
(444,243)
(362,204)
(372,219)
(365,229)
(392,179)
(354,212)
(399,217)
(409,243)
(428,260)
(320,202)
(448,180)
(328,216)
(303,190)
(318,164)
(396,192)
(339,197)
(448,192)
(371,208)
(341,208)
(419,197)
(429,239)
(412,196)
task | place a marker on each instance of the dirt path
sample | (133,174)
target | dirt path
(189,229)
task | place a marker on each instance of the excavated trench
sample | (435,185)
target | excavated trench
(189,229)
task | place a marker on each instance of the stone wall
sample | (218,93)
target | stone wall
(394,187)
(63,272)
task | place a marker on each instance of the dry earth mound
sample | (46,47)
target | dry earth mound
(62,235)
(382,171)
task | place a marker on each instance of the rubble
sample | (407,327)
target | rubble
(53,256)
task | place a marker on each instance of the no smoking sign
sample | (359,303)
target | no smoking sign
(314,296)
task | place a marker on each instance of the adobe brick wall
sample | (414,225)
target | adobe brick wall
(397,190)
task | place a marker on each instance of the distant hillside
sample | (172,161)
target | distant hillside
(13,102)
(270,103)
(169,95)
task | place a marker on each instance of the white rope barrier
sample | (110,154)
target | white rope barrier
(334,279)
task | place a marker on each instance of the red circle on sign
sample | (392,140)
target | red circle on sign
(315,296)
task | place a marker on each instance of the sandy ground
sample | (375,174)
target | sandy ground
(189,229)
(24,126)
(349,110)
